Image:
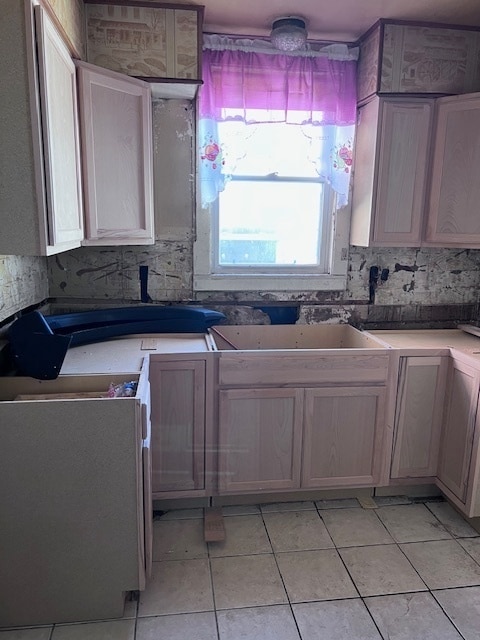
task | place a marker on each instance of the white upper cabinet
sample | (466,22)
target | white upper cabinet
(117,155)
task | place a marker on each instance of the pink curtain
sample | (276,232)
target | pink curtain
(255,87)
(292,89)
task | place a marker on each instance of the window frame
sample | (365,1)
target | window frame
(330,275)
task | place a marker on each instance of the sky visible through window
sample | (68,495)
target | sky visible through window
(270,222)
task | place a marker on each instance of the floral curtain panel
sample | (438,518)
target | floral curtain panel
(254,84)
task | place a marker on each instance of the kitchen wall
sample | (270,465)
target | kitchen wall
(433,287)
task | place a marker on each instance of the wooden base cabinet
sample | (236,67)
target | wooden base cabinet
(343,437)
(178,427)
(418,416)
(281,439)
(260,437)
(454,468)
(74,498)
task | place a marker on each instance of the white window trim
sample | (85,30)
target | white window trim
(206,280)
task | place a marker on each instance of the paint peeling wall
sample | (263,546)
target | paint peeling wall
(23,282)
(428,286)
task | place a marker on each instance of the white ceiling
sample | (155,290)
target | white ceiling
(341,20)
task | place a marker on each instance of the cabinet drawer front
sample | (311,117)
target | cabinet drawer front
(301,368)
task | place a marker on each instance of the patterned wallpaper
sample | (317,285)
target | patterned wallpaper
(71,14)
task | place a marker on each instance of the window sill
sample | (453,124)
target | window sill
(269,283)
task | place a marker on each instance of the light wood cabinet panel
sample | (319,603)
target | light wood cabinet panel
(74,515)
(343,436)
(455,189)
(260,433)
(58,97)
(39,164)
(117,153)
(418,416)
(391,159)
(458,428)
(178,426)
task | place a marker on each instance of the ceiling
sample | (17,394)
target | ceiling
(340,20)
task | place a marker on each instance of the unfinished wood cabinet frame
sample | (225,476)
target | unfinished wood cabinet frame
(452,219)
(458,432)
(260,435)
(345,432)
(90,508)
(418,417)
(117,153)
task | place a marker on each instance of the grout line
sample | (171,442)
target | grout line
(281,576)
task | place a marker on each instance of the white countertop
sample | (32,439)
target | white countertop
(126,354)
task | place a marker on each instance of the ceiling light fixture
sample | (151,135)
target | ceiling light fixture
(289,33)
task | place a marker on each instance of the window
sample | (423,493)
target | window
(270,219)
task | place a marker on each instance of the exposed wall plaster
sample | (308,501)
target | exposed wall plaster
(23,283)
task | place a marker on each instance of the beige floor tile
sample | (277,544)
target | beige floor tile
(110,630)
(462,607)
(411,616)
(246,581)
(297,531)
(355,527)
(179,586)
(287,506)
(268,623)
(443,564)
(412,523)
(241,510)
(244,536)
(178,540)
(195,626)
(472,546)
(338,620)
(42,633)
(182,514)
(381,570)
(315,575)
(453,522)
(343,503)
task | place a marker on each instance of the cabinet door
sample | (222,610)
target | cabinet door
(260,433)
(178,426)
(58,99)
(391,157)
(458,428)
(117,151)
(405,131)
(343,436)
(418,416)
(453,218)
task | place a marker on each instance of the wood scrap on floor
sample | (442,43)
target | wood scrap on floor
(213,527)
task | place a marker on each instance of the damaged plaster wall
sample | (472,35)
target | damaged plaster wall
(423,285)
(24,282)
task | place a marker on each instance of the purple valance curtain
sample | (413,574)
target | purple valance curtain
(260,85)
(265,87)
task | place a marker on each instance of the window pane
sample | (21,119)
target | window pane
(269,223)
(261,149)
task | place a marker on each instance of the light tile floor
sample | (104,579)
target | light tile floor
(303,571)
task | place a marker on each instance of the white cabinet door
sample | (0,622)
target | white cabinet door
(58,100)
(117,154)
